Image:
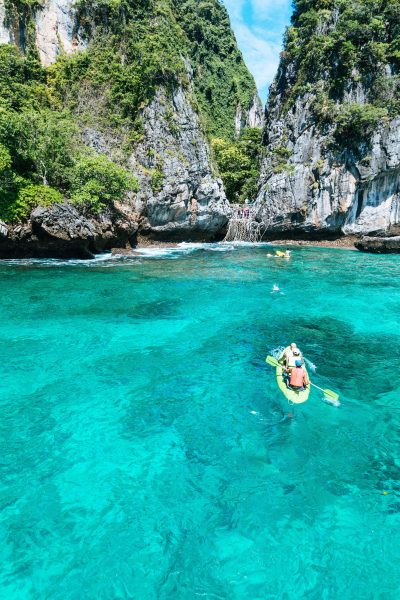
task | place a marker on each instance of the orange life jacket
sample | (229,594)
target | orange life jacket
(297,377)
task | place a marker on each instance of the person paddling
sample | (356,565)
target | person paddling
(299,379)
(290,355)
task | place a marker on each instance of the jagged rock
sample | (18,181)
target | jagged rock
(379,245)
(252,117)
(4,32)
(61,231)
(316,193)
(191,204)
(308,186)
(57,30)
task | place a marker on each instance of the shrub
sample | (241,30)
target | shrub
(19,199)
(5,160)
(334,45)
(96,182)
(157,180)
(238,163)
(355,124)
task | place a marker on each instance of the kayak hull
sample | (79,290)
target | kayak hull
(292,396)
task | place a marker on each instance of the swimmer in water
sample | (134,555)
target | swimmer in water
(276,290)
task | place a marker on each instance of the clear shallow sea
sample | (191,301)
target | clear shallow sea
(146,452)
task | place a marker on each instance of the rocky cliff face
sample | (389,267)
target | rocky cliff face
(163,138)
(332,134)
(55,27)
(189,202)
(62,231)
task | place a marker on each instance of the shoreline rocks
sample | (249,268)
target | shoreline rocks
(61,231)
(379,245)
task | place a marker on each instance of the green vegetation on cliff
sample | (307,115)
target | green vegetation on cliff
(41,157)
(134,47)
(239,164)
(221,78)
(334,49)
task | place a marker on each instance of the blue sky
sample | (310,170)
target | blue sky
(259,26)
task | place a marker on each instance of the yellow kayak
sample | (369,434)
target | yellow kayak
(281,254)
(292,396)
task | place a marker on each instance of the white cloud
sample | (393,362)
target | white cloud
(235,8)
(268,9)
(259,25)
(261,55)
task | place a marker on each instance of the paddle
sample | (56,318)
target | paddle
(328,393)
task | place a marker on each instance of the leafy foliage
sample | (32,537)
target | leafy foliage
(5,161)
(239,164)
(356,123)
(221,78)
(96,182)
(333,47)
(41,158)
(20,196)
(138,46)
(156,180)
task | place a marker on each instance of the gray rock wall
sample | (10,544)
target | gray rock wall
(315,192)
(253,116)
(56,29)
(62,231)
(191,202)
(4,31)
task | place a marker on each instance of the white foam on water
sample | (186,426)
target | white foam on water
(335,403)
(211,246)
(249,244)
(276,352)
(152,252)
(57,262)
(310,365)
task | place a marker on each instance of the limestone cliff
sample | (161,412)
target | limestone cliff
(134,78)
(332,132)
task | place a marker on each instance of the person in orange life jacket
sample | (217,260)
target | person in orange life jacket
(298,377)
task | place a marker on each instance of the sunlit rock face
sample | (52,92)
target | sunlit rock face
(4,31)
(57,30)
(309,184)
(190,202)
(319,193)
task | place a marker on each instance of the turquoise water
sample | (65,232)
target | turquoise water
(146,452)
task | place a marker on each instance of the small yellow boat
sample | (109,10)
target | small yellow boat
(291,395)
